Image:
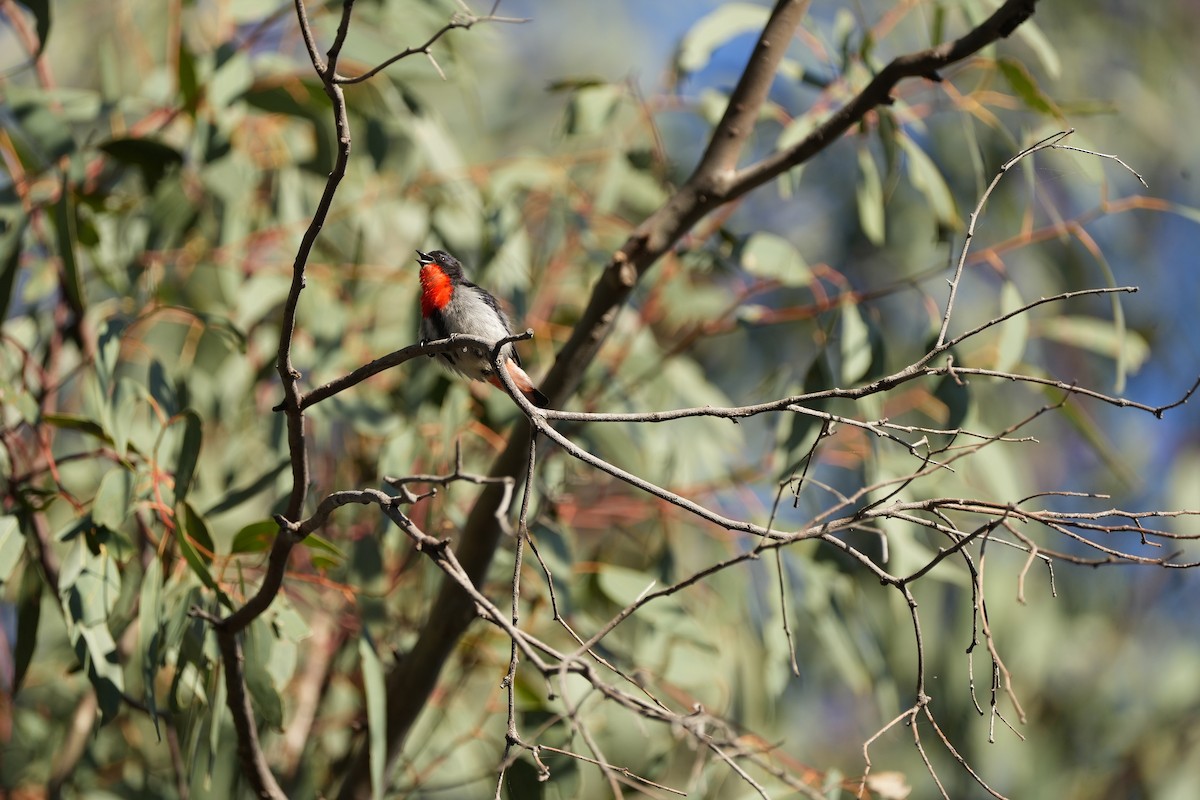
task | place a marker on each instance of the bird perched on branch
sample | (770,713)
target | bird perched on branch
(451,304)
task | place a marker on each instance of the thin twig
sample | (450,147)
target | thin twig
(1049,141)
(463,21)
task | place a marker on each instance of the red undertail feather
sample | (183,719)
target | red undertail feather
(436,289)
(524,383)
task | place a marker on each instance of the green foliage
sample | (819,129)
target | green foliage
(158,190)
(715,30)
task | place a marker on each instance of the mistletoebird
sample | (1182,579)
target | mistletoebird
(451,304)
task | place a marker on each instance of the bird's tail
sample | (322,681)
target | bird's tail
(524,383)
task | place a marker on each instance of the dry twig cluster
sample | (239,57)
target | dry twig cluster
(967,528)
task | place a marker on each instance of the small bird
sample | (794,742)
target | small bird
(451,304)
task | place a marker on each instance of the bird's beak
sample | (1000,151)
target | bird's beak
(424,258)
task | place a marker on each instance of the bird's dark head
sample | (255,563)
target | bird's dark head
(447,263)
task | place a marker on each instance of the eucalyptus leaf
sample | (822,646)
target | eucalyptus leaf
(768,255)
(1099,336)
(94,586)
(869,196)
(126,399)
(65,240)
(231,80)
(76,422)
(29,613)
(113,499)
(855,345)
(42,134)
(89,586)
(108,352)
(713,31)
(96,650)
(326,554)
(375,695)
(796,131)
(10,261)
(623,586)
(1026,88)
(150,634)
(12,546)
(928,179)
(255,537)
(289,624)
(1014,332)
(245,493)
(196,547)
(189,453)
(258,647)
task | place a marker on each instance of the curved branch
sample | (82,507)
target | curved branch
(706,189)
(253,761)
(249,749)
(395,358)
(923,64)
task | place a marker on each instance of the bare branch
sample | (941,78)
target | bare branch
(729,137)
(624,771)
(250,753)
(396,358)
(1049,141)
(464,21)
(254,763)
(923,64)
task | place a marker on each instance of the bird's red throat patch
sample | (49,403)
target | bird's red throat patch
(436,289)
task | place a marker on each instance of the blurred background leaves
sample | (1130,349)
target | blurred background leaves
(161,163)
